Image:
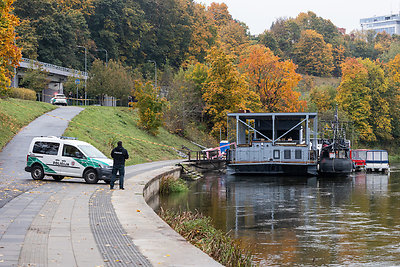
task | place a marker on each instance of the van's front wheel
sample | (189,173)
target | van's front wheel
(91,176)
(37,172)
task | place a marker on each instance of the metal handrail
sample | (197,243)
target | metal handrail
(51,66)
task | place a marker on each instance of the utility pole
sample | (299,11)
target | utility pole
(102,49)
(85,70)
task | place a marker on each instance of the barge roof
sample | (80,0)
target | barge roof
(289,114)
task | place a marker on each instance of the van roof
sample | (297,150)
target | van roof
(61,138)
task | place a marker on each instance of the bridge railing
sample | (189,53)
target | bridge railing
(52,68)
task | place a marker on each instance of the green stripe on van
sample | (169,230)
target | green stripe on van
(32,160)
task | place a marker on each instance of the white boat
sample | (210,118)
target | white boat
(377,160)
(273,143)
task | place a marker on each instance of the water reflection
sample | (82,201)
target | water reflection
(304,221)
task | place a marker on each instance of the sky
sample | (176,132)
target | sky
(259,14)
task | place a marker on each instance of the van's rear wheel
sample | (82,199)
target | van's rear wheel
(58,177)
(37,172)
(91,176)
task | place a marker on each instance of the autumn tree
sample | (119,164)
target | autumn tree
(35,78)
(99,82)
(225,90)
(113,80)
(286,33)
(313,55)
(273,80)
(310,21)
(393,73)
(150,107)
(268,40)
(323,97)
(204,34)
(380,113)
(220,13)
(10,54)
(354,97)
(382,42)
(392,52)
(185,99)
(339,56)
(232,35)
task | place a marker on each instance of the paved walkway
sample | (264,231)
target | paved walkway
(71,223)
(13,178)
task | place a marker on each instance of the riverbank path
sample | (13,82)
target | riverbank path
(71,223)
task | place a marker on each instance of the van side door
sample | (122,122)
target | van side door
(69,163)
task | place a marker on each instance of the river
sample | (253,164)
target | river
(296,221)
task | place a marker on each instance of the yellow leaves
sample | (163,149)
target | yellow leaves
(225,90)
(313,55)
(363,95)
(10,55)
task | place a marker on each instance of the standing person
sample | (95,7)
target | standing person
(119,154)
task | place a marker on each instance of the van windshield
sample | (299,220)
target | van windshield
(91,151)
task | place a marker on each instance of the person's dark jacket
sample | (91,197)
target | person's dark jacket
(119,154)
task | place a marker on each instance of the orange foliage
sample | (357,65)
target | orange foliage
(273,80)
(10,54)
(220,13)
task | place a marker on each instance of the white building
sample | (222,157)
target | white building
(389,24)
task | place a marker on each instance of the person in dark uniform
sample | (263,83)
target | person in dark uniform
(119,154)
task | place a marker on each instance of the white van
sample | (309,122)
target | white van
(65,156)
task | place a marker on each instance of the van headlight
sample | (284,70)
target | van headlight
(104,166)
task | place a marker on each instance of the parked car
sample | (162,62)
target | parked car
(59,99)
(65,156)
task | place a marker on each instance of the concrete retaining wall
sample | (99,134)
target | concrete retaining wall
(152,187)
(153,237)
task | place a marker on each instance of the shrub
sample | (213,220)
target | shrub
(199,231)
(150,107)
(22,93)
(170,185)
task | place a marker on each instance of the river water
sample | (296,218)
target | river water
(304,221)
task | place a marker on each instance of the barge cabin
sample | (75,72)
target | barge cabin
(273,143)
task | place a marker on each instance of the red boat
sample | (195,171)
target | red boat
(358,156)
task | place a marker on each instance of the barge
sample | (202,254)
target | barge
(273,143)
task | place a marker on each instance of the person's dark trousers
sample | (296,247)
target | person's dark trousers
(121,170)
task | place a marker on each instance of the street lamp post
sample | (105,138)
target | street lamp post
(155,72)
(102,49)
(85,70)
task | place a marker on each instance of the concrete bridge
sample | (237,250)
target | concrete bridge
(57,75)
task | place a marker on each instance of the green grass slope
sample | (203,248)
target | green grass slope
(104,126)
(17,113)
